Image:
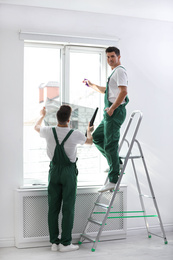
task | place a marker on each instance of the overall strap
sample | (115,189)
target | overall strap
(111,74)
(67,136)
(55,135)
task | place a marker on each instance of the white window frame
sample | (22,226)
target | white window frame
(65,50)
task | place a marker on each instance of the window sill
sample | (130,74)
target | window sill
(44,187)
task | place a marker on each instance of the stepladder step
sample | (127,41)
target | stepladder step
(147,196)
(131,156)
(102,205)
(95,221)
(86,236)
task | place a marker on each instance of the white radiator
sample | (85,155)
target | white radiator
(31,207)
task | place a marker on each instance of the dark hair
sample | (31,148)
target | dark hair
(64,113)
(113,49)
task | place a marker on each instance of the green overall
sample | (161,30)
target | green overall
(106,136)
(61,190)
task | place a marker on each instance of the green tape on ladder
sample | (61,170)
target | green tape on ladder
(118,212)
(143,216)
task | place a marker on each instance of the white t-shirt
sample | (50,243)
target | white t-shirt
(70,146)
(119,78)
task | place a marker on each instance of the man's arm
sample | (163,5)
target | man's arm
(40,120)
(118,101)
(89,139)
(95,87)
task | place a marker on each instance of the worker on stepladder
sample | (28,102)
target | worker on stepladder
(61,149)
(107,134)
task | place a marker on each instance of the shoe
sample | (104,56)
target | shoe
(108,186)
(68,248)
(54,247)
(121,166)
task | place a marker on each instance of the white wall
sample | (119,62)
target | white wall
(146,48)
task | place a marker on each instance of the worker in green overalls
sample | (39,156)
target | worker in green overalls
(106,136)
(61,148)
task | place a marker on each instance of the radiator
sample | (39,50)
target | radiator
(31,207)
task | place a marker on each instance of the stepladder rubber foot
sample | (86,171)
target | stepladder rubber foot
(93,250)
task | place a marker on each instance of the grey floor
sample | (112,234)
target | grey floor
(131,248)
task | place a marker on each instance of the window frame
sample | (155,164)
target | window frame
(65,50)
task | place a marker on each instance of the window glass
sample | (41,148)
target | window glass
(48,76)
(41,81)
(85,64)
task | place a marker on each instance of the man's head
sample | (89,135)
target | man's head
(113,56)
(63,114)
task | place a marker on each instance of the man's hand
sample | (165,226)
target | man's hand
(90,128)
(43,112)
(89,139)
(88,83)
(94,86)
(109,111)
(39,121)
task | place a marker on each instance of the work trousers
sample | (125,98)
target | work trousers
(61,190)
(106,138)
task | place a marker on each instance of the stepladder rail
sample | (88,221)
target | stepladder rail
(106,210)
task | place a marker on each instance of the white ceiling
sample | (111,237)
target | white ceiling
(149,9)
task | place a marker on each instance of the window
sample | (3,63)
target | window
(53,74)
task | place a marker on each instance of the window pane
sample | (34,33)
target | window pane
(41,81)
(86,65)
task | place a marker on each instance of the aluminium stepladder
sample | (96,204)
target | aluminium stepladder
(107,208)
